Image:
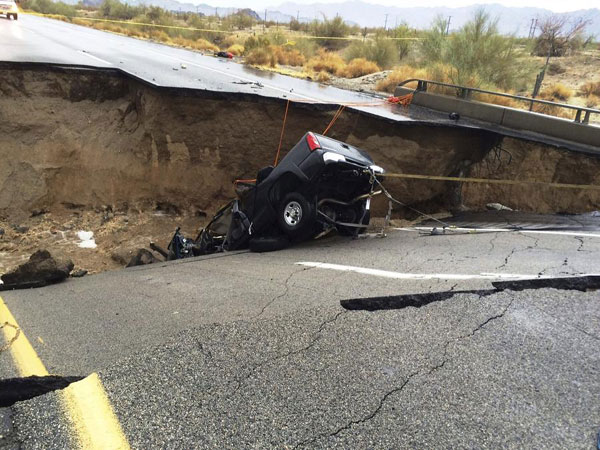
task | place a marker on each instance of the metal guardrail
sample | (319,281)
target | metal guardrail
(466,93)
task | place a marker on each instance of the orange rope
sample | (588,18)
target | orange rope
(253,180)
(287,105)
(404,100)
(335,117)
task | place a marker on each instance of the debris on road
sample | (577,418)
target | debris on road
(87,239)
(79,273)
(497,207)
(227,55)
(40,270)
(142,257)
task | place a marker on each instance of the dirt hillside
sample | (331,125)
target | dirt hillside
(99,152)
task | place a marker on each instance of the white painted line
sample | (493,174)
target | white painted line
(419,276)
(89,55)
(250,80)
(503,230)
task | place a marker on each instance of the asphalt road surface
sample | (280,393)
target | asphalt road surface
(36,39)
(254,350)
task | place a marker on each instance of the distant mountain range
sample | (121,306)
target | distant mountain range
(511,19)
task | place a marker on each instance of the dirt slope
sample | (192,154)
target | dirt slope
(91,149)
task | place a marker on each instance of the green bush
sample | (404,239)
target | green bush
(382,51)
(478,55)
(114,9)
(49,7)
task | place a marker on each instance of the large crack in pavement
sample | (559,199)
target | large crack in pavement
(398,389)
(13,390)
(577,283)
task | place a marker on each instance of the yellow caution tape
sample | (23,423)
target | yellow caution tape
(207,30)
(492,181)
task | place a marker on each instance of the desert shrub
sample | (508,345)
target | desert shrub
(559,35)
(236,49)
(399,74)
(402,44)
(307,47)
(592,101)
(276,38)
(287,55)
(49,7)
(335,27)
(495,100)
(116,10)
(232,39)
(552,110)
(323,77)
(261,56)
(358,67)
(159,35)
(590,88)
(557,92)
(555,68)
(326,61)
(434,41)
(256,42)
(381,51)
(478,53)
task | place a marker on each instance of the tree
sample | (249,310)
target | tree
(558,36)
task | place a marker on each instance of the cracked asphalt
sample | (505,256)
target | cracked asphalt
(253,350)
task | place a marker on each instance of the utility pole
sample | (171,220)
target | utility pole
(265,21)
(448,25)
(298,16)
(530,30)
(385,25)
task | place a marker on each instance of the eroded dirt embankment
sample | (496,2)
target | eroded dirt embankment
(100,151)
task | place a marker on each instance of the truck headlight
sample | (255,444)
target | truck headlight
(329,157)
(376,169)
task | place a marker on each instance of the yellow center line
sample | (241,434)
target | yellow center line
(85,403)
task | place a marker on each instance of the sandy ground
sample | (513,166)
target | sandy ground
(117,235)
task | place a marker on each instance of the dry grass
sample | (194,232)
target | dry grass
(400,73)
(288,56)
(159,35)
(325,61)
(236,49)
(590,88)
(231,39)
(262,56)
(275,54)
(358,67)
(557,92)
(323,77)
(496,100)
(592,101)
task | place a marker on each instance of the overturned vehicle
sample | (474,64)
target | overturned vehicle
(320,185)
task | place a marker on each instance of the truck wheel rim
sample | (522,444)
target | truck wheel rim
(292,214)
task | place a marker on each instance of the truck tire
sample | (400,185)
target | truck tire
(295,215)
(268,244)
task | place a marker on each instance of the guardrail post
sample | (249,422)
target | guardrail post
(586,118)
(578,116)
